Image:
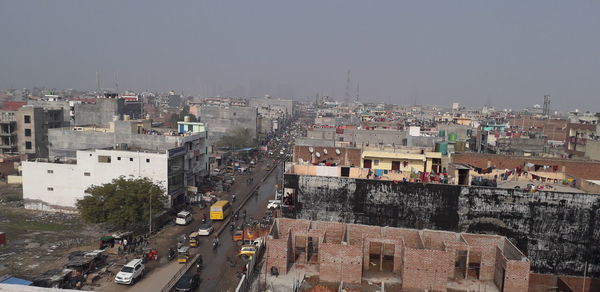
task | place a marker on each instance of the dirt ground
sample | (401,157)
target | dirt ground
(38,241)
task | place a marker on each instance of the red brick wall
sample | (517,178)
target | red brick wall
(435,239)
(452,247)
(554,129)
(347,157)
(334,231)
(517,276)
(422,269)
(573,168)
(487,246)
(285,225)
(410,236)
(541,282)
(277,254)
(356,233)
(340,263)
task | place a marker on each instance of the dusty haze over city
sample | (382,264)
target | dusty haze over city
(510,52)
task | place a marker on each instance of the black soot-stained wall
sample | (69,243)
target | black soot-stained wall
(558,231)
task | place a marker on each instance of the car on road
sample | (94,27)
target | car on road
(187,283)
(247,252)
(273,204)
(205,229)
(131,272)
(183,218)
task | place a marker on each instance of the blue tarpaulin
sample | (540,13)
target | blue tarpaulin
(15,281)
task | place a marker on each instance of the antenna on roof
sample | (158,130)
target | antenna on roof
(117,82)
(97,82)
(348,88)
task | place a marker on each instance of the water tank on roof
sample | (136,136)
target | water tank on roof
(452,137)
(460,146)
(442,133)
(186,119)
(441,147)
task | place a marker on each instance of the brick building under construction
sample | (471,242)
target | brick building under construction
(422,259)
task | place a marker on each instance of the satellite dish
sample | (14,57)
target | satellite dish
(325,151)
(310,149)
(337,151)
(318,154)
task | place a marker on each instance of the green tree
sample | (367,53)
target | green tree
(239,138)
(122,202)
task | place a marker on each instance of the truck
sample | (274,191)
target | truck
(248,234)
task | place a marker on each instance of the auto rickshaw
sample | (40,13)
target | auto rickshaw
(194,239)
(183,254)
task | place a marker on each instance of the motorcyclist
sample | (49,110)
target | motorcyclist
(203,218)
(233,198)
(171,253)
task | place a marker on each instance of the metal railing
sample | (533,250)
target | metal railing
(180,274)
(246,280)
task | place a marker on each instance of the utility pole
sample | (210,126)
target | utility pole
(584,275)
(150,225)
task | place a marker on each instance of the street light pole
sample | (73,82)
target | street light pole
(150,225)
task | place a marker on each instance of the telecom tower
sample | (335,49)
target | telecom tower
(347,97)
(546,105)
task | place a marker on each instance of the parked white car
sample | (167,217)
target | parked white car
(130,272)
(274,204)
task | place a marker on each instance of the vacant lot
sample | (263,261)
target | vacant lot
(38,241)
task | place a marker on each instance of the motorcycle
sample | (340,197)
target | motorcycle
(231,227)
(171,254)
(215,243)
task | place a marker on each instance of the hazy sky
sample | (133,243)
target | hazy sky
(513,52)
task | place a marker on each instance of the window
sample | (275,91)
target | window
(50,189)
(86,174)
(50,171)
(147,160)
(375,162)
(234,114)
(27,119)
(118,158)
(28,145)
(103,159)
(27,132)
(130,159)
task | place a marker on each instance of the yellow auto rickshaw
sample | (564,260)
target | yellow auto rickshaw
(194,239)
(183,254)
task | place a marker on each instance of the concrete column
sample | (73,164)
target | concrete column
(381,257)
(467,263)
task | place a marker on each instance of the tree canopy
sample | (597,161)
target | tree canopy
(239,138)
(122,202)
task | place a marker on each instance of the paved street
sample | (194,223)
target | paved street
(217,274)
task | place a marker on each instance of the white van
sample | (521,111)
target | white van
(183,218)
(130,272)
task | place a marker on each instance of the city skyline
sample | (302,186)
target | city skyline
(512,53)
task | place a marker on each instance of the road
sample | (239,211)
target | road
(217,275)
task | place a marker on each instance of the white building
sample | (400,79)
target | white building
(56,186)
